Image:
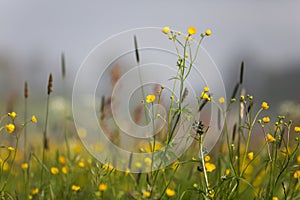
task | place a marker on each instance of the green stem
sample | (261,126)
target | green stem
(25,130)
(12,165)
(45,140)
(203,163)
(249,136)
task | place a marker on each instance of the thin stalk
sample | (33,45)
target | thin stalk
(12,165)
(167,184)
(45,139)
(154,138)
(25,130)
(203,163)
(248,137)
(66,120)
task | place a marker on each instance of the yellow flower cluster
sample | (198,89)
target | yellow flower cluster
(297,174)
(12,115)
(204,94)
(191,31)
(108,167)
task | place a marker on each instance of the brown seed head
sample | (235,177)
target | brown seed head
(26,90)
(63,66)
(50,84)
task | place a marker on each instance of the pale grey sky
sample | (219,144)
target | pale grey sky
(34,33)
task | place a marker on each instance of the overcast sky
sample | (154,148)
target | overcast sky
(33,33)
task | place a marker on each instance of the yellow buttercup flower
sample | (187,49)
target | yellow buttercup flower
(207,158)
(138,165)
(147,161)
(150,98)
(210,167)
(205,96)
(127,171)
(227,172)
(266,119)
(192,30)
(250,155)
(12,115)
(221,100)
(265,105)
(75,188)
(146,194)
(275,198)
(242,97)
(108,167)
(62,160)
(270,138)
(34,191)
(211,193)
(33,119)
(170,192)
(297,129)
(297,174)
(24,165)
(208,32)
(188,38)
(10,128)
(102,187)
(151,148)
(166,30)
(54,170)
(5,166)
(64,170)
(206,89)
(81,164)
(10,148)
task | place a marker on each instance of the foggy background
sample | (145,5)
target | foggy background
(263,34)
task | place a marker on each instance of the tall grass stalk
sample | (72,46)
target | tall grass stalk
(65,128)
(25,117)
(45,141)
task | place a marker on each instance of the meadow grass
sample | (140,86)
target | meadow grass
(234,169)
